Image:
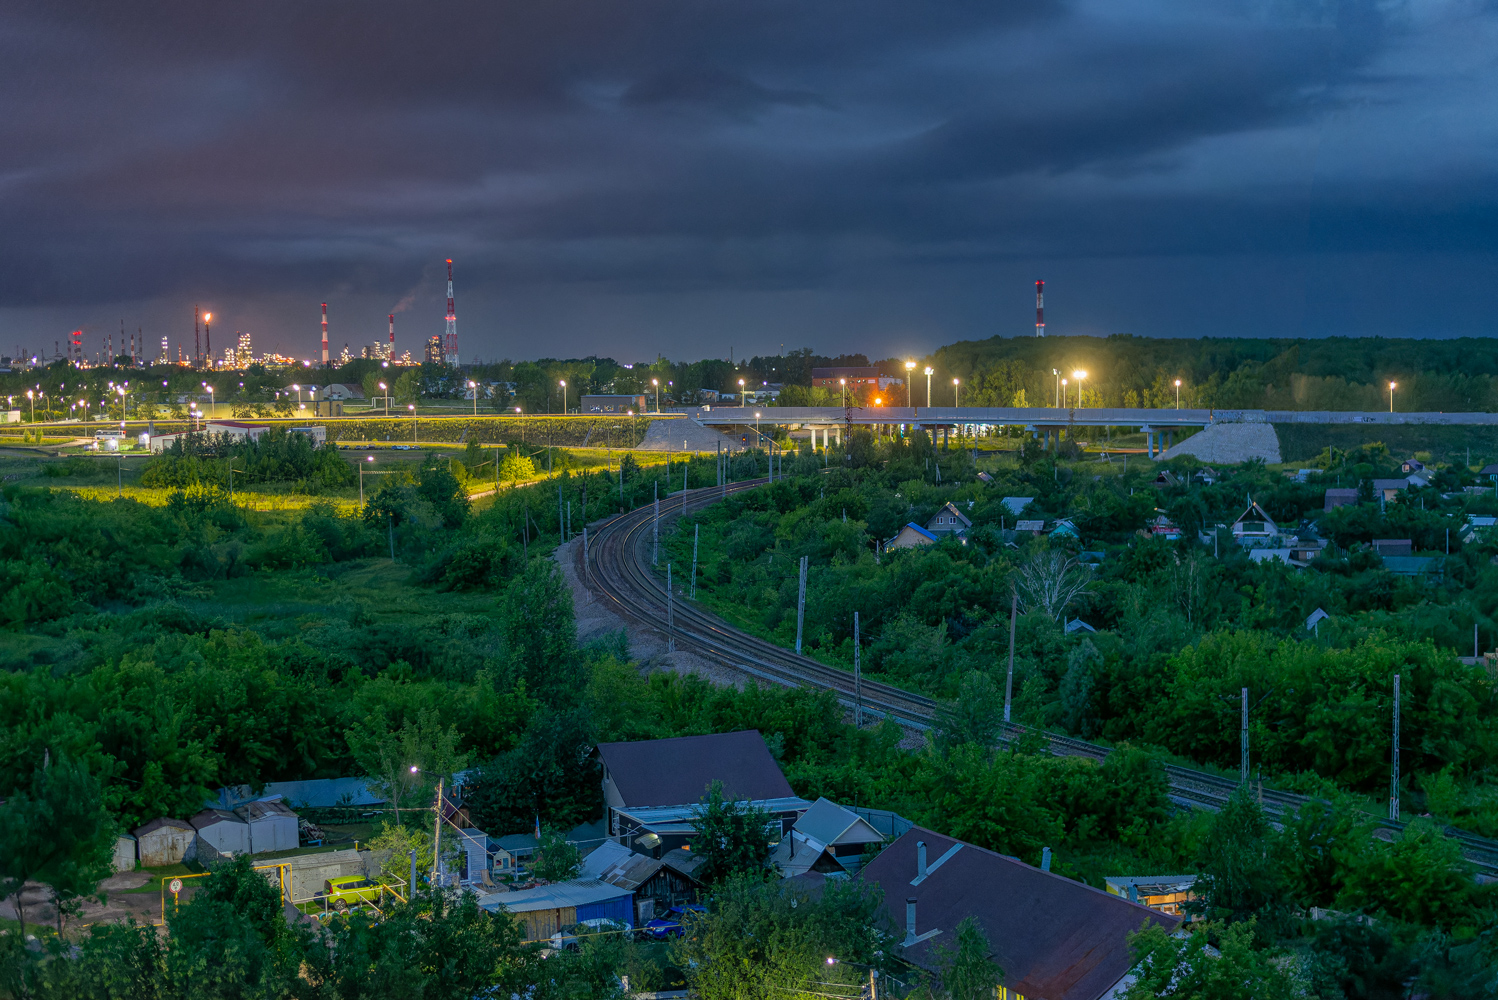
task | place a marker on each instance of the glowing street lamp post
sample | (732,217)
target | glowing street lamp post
(1178,394)
(563,384)
(929,371)
(909,375)
(1391,396)
(954,393)
(475,387)
(657,383)
(844,383)
(412,408)
(1080,375)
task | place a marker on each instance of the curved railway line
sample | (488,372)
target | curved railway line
(616,568)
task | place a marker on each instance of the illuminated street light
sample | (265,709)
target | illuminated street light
(909,375)
(929,371)
(954,393)
(563,384)
(844,383)
(1178,394)
(1391,396)
(1079,375)
(657,383)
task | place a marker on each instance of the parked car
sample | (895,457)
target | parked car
(670,925)
(350,890)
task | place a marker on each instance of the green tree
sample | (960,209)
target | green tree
(977,716)
(56,832)
(516,469)
(1171,968)
(536,621)
(558,860)
(1240,875)
(966,969)
(767,938)
(731,837)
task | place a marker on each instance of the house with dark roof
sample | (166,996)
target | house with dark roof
(652,789)
(1166,893)
(657,883)
(1054,938)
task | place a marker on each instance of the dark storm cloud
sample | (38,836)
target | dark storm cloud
(627,156)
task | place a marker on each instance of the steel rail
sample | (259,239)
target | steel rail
(619,564)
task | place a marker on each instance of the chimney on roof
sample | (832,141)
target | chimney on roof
(920,859)
(910,918)
(1045,859)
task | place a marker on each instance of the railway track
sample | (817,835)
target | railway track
(617,570)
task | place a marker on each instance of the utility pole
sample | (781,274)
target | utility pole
(1009,678)
(696,537)
(437,838)
(1243,742)
(801,606)
(561,524)
(857,678)
(670,613)
(655,526)
(1394,772)
(587,572)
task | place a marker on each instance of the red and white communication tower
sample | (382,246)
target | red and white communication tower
(1040,308)
(324,333)
(450,346)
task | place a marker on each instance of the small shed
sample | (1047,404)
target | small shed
(220,832)
(513,851)
(164,841)
(124,853)
(273,826)
(548,909)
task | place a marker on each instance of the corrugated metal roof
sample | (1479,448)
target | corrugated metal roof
(828,823)
(1053,937)
(677,771)
(213,817)
(157,824)
(659,817)
(256,811)
(577,892)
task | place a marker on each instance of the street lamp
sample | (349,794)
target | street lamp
(32,400)
(563,384)
(412,408)
(929,371)
(386,398)
(909,375)
(475,387)
(1080,375)
(657,383)
(1064,398)
(1178,394)
(742,398)
(954,393)
(844,383)
(1058,387)
(1391,396)
(756,429)
(367,458)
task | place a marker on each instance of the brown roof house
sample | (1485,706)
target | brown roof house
(1054,938)
(652,789)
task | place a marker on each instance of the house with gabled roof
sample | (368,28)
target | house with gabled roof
(652,789)
(1055,938)
(910,537)
(948,520)
(1254,527)
(827,838)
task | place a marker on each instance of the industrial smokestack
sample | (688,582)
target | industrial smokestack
(392,335)
(1040,308)
(325,333)
(920,859)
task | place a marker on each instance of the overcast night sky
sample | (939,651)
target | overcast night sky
(656,176)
